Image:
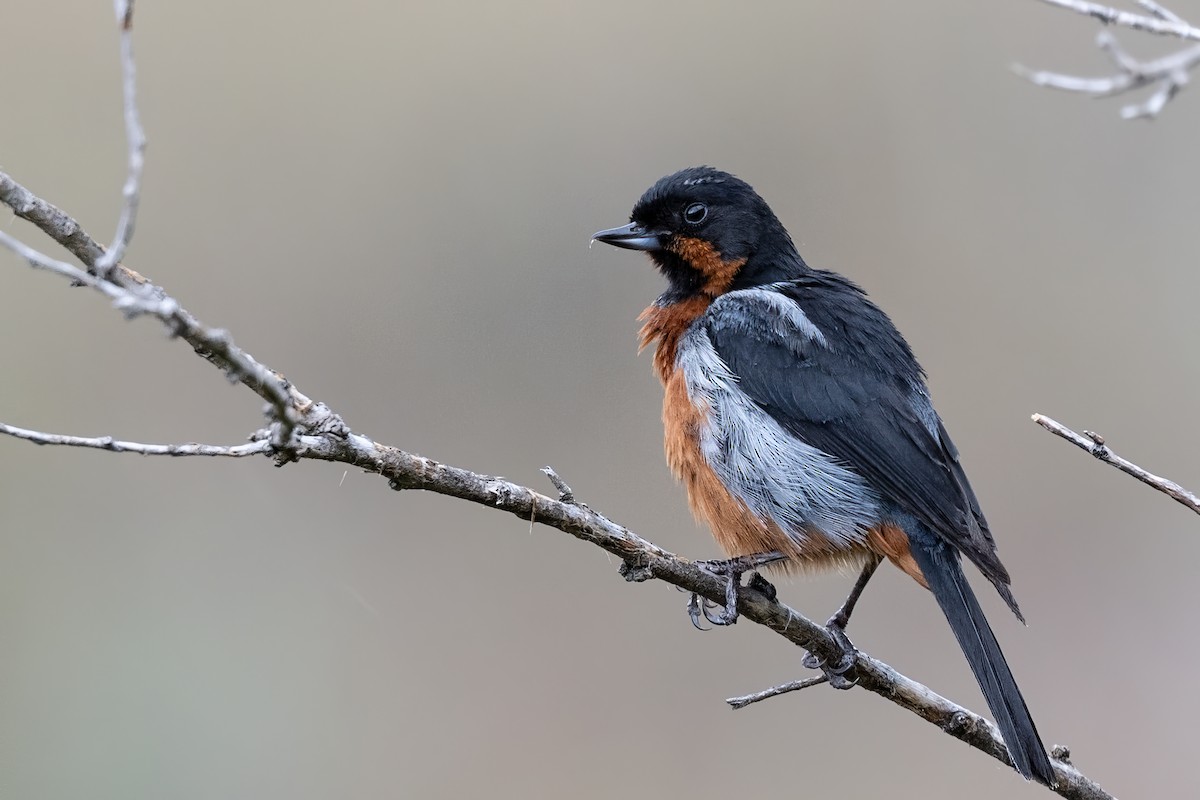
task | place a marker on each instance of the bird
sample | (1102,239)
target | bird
(801,425)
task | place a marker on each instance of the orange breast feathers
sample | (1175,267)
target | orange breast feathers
(737,529)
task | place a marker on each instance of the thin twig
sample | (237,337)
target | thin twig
(1170,71)
(775,691)
(118,446)
(1094,444)
(136,140)
(128,302)
(1160,12)
(1125,19)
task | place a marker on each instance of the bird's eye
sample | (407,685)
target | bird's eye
(695,213)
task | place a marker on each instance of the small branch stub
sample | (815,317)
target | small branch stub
(565,493)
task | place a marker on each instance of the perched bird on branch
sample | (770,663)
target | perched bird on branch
(799,421)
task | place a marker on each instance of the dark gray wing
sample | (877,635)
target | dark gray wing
(838,376)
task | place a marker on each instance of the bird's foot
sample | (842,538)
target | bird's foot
(841,675)
(732,570)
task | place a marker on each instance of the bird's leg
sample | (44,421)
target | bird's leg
(837,629)
(732,570)
(841,618)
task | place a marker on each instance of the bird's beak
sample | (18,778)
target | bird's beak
(631,237)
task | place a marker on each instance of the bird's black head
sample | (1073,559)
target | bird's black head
(709,232)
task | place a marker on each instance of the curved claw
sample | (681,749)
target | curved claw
(720,618)
(694,606)
(841,682)
(836,673)
(844,665)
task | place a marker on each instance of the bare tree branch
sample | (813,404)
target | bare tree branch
(116,446)
(1170,72)
(303,429)
(1094,444)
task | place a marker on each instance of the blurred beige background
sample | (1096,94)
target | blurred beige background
(392,204)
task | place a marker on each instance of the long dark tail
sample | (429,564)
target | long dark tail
(949,585)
